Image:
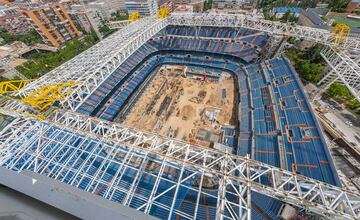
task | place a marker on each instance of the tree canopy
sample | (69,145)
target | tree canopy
(341,94)
(42,63)
(338,5)
(308,63)
(29,38)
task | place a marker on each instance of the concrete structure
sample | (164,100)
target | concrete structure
(15,205)
(145,7)
(53,24)
(196,5)
(234,4)
(184,9)
(311,19)
(90,16)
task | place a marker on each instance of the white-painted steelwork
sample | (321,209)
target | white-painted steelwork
(271,27)
(47,147)
(342,69)
(94,65)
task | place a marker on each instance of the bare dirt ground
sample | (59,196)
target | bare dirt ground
(176,106)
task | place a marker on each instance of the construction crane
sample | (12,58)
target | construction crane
(13,85)
(134,16)
(48,94)
(163,12)
(341,33)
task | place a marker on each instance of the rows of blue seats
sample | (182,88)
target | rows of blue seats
(96,100)
(109,110)
(208,31)
(91,105)
(237,35)
(296,115)
(246,52)
(269,206)
(118,97)
(78,158)
(265,135)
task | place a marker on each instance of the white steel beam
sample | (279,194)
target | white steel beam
(94,65)
(343,69)
(117,24)
(251,22)
(231,170)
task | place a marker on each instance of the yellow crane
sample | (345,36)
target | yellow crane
(13,85)
(163,12)
(48,94)
(134,16)
(341,33)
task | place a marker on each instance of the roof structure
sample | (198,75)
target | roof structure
(159,175)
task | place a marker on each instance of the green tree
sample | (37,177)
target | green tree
(208,5)
(308,63)
(311,71)
(313,54)
(119,17)
(29,38)
(44,62)
(338,5)
(342,95)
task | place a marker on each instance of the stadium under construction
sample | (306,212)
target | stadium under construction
(186,117)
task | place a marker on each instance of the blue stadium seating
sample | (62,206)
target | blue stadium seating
(272,104)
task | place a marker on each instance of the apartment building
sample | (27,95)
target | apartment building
(144,7)
(53,24)
(234,4)
(180,5)
(12,20)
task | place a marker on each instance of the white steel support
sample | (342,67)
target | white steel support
(343,69)
(94,65)
(252,22)
(117,24)
(237,174)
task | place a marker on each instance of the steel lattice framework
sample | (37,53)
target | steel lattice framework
(343,69)
(251,22)
(42,147)
(94,65)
